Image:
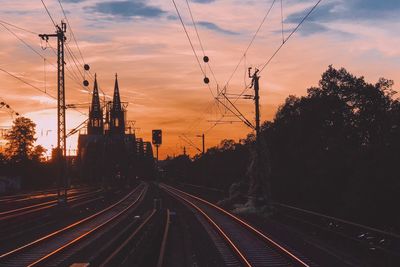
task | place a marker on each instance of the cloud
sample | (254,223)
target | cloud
(127,9)
(73,1)
(203,1)
(338,10)
(214,27)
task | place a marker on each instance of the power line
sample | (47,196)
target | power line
(27,83)
(48,13)
(283,36)
(195,27)
(72,56)
(74,38)
(70,73)
(200,42)
(187,35)
(25,43)
(17,27)
(290,35)
(279,48)
(236,68)
(250,44)
(39,54)
(70,28)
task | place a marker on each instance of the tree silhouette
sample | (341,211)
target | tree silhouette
(335,150)
(21,139)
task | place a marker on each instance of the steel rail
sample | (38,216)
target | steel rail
(41,206)
(38,194)
(75,225)
(62,248)
(164,240)
(116,252)
(259,234)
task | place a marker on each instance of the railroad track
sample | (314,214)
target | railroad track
(56,247)
(37,195)
(6,215)
(124,250)
(238,242)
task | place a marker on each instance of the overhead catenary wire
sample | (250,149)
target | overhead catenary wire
(249,45)
(35,87)
(237,66)
(70,72)
(74,38)
(72,56)
(17,27)
(48,13)
(25,43)
(201,43)
(283,35)
(35,51)
(27,83)
(290,35)
(188,37)
(278,49)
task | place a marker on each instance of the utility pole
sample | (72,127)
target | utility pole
(255,82)
(61,131)
(202,137)
(259,178)
(203,144)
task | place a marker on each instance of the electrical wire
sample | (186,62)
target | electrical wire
(290,35)
(48,13)
(283,36)
(201,43)
(187,35)
(27,83)
(250,44)
(25,43)
(17,27)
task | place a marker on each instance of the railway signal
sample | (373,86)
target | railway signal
(157,139)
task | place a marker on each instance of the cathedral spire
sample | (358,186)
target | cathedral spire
(116,100)
(117,113)
(95,96)
(95,125)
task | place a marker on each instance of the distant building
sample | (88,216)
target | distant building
(108,151)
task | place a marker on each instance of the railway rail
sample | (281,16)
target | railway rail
(55,247)
(39,195)
(6,215)
(249,246)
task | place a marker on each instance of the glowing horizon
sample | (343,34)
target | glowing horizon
(143,41)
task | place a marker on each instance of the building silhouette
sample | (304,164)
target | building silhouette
(110,152)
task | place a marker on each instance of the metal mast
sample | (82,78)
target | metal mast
(255,82)
(61,126)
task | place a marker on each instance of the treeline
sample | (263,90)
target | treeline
(22,164)
(335,150)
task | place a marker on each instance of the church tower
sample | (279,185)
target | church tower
(95,124)
(117,113)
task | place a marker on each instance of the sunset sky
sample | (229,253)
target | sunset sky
(144,42)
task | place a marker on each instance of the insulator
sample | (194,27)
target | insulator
(86,67)
(85,83)
(206,59)
(206,80)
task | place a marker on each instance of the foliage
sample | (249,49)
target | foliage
(23,159)
(335,150)
(20,142)
(219,167)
